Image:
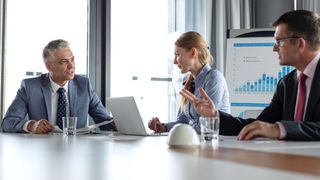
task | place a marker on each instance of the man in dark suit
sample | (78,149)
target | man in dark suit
(294,112)
(34,108)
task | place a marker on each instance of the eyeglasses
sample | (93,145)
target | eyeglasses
(280,42)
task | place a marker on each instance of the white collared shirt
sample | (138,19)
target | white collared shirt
(54,100)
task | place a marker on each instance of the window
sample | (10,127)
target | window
(30,25)
(142,57)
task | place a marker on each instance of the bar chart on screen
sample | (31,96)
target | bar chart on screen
(252,73)
(264,84)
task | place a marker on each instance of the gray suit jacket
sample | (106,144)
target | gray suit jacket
(33,101)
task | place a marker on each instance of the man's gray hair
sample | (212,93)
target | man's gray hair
(52,47)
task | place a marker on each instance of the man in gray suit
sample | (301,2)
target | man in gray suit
(34,109)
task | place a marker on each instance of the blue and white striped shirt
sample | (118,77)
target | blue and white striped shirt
(214,83)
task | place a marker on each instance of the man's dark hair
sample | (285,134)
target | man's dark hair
(302,23)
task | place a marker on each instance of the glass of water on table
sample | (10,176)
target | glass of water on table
(210,129)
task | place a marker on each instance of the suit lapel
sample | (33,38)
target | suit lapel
(46,91)
(314,94)
(291,95)
(72,98)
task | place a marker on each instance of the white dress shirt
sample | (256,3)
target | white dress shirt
(54,100)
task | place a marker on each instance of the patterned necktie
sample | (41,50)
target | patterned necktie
(301,98)
(62,104)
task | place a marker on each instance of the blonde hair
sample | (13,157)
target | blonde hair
(189,40)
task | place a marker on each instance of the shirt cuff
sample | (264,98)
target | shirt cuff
(283,132)
(25,126)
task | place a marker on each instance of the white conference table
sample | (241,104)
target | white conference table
(109,156)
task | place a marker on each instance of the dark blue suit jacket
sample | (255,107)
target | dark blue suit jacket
(282,108)
(33,100)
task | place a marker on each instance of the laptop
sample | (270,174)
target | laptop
(127,116)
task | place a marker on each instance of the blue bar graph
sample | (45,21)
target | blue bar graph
(265,84)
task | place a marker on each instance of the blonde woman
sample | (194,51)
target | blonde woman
(192,55)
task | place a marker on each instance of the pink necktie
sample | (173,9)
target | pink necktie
(301,98)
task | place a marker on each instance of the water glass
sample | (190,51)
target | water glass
(209,129)
(69,125)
